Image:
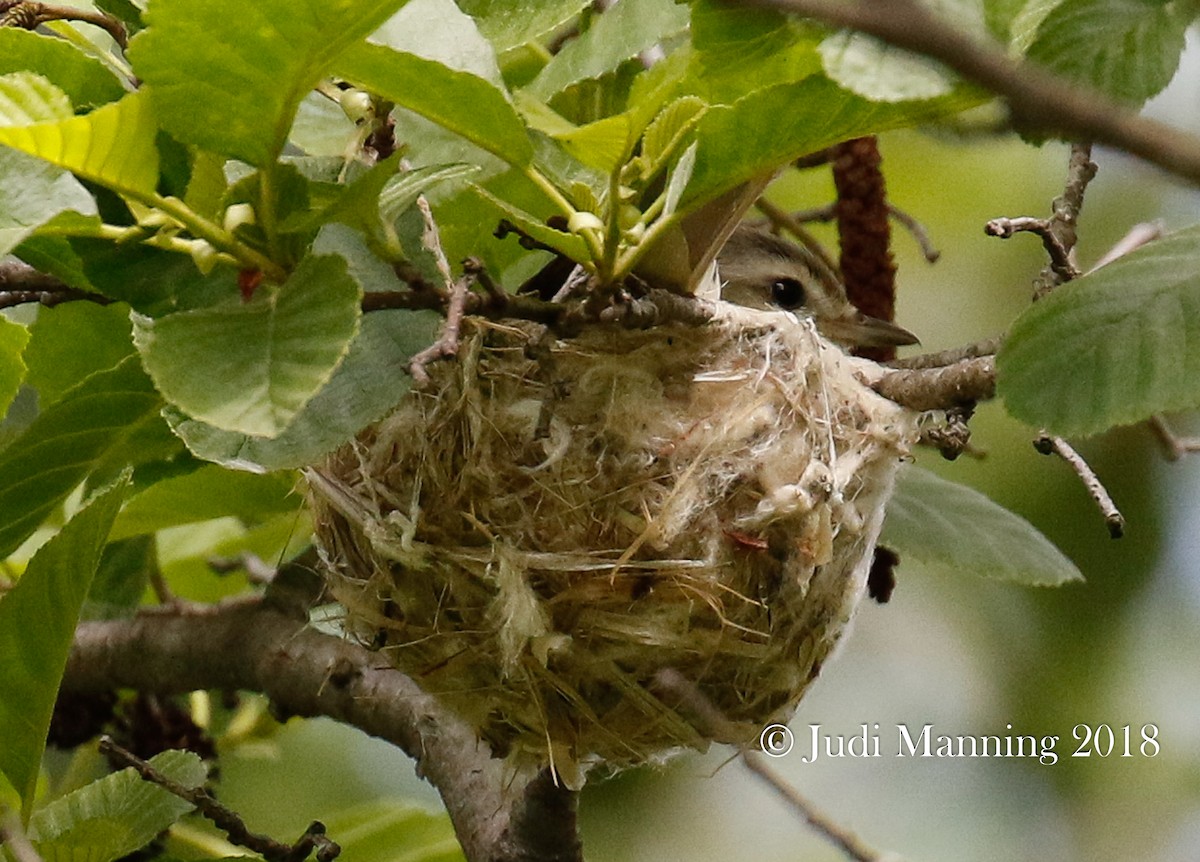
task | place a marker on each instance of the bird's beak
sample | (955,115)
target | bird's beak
(859,330)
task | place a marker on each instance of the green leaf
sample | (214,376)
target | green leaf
(1112,347)
(466,231)
(53,255)
(206,184)
(37,621)
(620,33)
(1127,48)
(208,493)
(389,830)
(568,244)
(374,201)
(882,72)
(27,98)
(436,30)
(115,815)
(603,145)
(509,24)
(84,80)
(71,341)
(251,366)
(462,102)
(680,176)
(122,577)
(1001,16)
(355,204)
(738,50)
(102,420)
(229,75)
(773,126)
(956,529)
(32,193)
(401,192)
(1026,22)
(113,145)
(364,388)
(670,129)
(153,281)
(13,338)
(127,12)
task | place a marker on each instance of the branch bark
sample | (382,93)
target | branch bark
(1039,100)
(257,645)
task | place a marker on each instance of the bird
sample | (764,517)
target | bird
(760,270)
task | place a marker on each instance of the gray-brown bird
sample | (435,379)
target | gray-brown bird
(760,270)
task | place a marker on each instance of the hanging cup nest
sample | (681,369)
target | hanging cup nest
(549,523)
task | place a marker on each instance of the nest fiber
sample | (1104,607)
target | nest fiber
(549,523)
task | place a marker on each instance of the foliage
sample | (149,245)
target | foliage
(232,265)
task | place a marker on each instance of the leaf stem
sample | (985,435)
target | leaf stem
(625,263)
(267,195)
(595,246)
(220,238)
(113,232)
(612,238)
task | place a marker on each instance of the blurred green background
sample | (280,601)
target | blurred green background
(967,655)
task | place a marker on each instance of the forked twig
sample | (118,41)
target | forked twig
(1058,232)
(29,15)
(226,819)
(447,342)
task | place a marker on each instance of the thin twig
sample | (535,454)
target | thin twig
(781,218)
(823,214)
(258,571)
(713,723)
(1049,445)
(1038,99)
(21,284)
(29,15)
(228,820)
(1059,236)
(943,358)
(12,836)
(447,343)
(814,160)
(161,589)
(1174,446)
(49,298)
(1061,261)
(917,231)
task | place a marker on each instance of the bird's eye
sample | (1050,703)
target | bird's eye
(788,294)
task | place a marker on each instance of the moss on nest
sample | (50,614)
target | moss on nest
(544,527)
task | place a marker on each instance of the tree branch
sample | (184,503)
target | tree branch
(227,820)
(263,646)
(959,385)
(1038,99)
